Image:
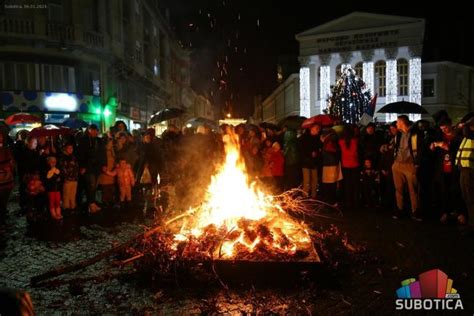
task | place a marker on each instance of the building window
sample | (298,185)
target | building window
(23,76)
(55,12)
(380,68)
(57,78)
(428,88)
(402,71)
(358,69)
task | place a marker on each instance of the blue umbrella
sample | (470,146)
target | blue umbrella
(74,123)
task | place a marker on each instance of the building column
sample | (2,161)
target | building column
(305,96)
(414,75)
(313,79)
(391,78)
(368,70)
(325,81)
(346,58)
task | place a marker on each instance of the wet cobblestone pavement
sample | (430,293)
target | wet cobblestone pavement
(395,250)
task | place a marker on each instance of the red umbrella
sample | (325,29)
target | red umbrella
(22,118)
(322,119)
(49,131)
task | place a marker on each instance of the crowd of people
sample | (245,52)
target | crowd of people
(419,169)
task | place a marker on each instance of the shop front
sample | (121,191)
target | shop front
(55,107)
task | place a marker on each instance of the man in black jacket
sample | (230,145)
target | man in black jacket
(91,158)
(310,148)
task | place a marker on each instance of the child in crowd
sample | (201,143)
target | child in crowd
(70,171)
(370,179)
(53,187)
(126,180)
(35,191)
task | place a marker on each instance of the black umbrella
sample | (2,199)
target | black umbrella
(268,125)
(75,123)
(403,107)
(292,121)
(467,117)
(165,115)
(198,121)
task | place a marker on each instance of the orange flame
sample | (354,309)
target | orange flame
(248,217)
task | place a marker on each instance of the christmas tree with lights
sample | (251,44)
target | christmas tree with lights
(350,99)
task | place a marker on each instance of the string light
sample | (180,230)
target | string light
(415,80)
(304,92)
(391,84)
(368,75)
(324,86)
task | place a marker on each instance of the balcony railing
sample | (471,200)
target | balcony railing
(12,26)
(93,39)
(60,32)
(16,25)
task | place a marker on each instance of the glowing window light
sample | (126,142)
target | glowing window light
(391,83)
(390,117)
(304,92)
(368,75)
(324,86)
(414,117)
(61,102)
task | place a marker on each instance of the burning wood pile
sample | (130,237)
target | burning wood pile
(238,221)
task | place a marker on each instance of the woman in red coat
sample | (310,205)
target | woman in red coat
(349,145)
(277,166)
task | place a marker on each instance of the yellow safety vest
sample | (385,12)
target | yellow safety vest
(465,154)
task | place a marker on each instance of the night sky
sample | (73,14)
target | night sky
(236,44)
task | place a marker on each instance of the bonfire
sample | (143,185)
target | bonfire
(239,221)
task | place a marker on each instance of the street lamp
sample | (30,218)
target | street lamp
(229,115)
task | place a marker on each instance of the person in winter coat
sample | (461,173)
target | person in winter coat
(349,146)
(445,174)
(369,180)
(53,187)
(6,174)
(277,166)
(70,172)
(124,149)
(292,160)
(29,163)
(465,161)
(150,156)
(266,172)
(310,148)
(370,143)
(108,174)
(91,155)
(387,188)
(407,153)
(331,166)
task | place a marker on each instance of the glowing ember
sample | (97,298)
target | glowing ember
(239,221)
